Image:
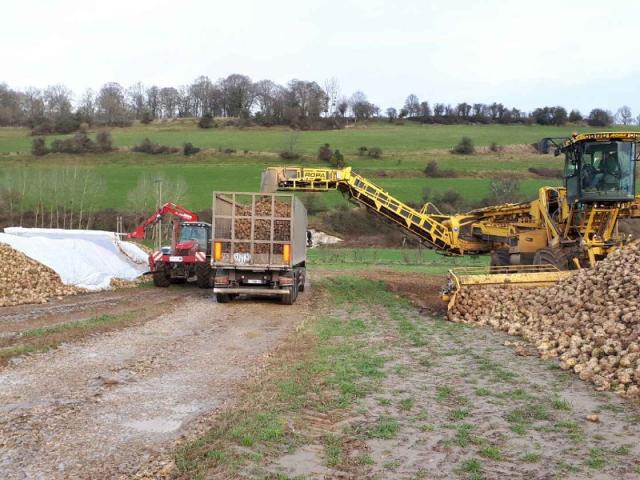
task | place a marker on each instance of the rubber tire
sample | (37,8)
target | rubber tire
(204,275)
(301,286)
(500,258)
(290,298)
(222,298)
(161,279)
(550,256)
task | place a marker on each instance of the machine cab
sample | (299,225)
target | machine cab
(199,231)
(600,167)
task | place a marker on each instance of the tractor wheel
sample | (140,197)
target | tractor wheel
(551,256)
(204,275)
(160,278)
(222,298)
(500,258)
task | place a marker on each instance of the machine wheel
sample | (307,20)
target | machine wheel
(160,278)
(500,258)
(222,298)
(204,275)
(178,280)
(551,256)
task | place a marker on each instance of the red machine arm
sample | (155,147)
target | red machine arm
(166,209)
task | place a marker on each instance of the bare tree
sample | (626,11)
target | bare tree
(307,99)
(392,114)
(238,95)
(169,100)
(332,91)
(425,109)
(343,106)
(412,105)
(624,115)
(266,94)
(87,106)
(112,108)
(137,99)
(153,101)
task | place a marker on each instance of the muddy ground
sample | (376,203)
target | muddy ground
(459,402)
(454,402)
(105,406)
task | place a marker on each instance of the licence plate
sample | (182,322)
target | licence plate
(254,281)
(175,259)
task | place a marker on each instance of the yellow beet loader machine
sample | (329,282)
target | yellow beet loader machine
(531,244)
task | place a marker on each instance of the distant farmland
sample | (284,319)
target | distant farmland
(406,151)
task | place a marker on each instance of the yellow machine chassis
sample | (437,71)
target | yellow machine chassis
(588,234)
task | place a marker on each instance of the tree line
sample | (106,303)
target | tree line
(301,104)
(497,113)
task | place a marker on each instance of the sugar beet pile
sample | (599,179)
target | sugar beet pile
(590,321)
(23,280)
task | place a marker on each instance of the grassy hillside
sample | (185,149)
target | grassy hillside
(410,137)
(407,149)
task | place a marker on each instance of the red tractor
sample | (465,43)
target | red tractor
(188,256)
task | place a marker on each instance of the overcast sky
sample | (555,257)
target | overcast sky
(579,54)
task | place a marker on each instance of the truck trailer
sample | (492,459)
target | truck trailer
(259,245)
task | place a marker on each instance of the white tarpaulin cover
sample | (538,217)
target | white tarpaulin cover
(84,258)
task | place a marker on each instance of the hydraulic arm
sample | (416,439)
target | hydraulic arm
(166,209)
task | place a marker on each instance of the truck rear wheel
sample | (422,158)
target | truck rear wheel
(302,280)
(291,296)
(204,275)
(222,298)
(160,278)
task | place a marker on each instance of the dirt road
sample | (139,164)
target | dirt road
(104,406)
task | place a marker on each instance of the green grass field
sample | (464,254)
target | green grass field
(407,149)
(396,259)
(409,137)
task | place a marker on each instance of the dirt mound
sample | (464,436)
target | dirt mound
(23,280)
(590,321)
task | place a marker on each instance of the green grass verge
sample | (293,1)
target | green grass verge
(90,323)
(45,338)
(414,260)
(325,367)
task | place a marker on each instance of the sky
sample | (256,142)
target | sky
(525,54)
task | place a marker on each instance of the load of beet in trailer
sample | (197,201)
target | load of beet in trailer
(259,245)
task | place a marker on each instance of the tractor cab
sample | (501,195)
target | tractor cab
(600,167)
(192,233)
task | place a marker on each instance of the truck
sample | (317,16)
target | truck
(188,256)
(259,243)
